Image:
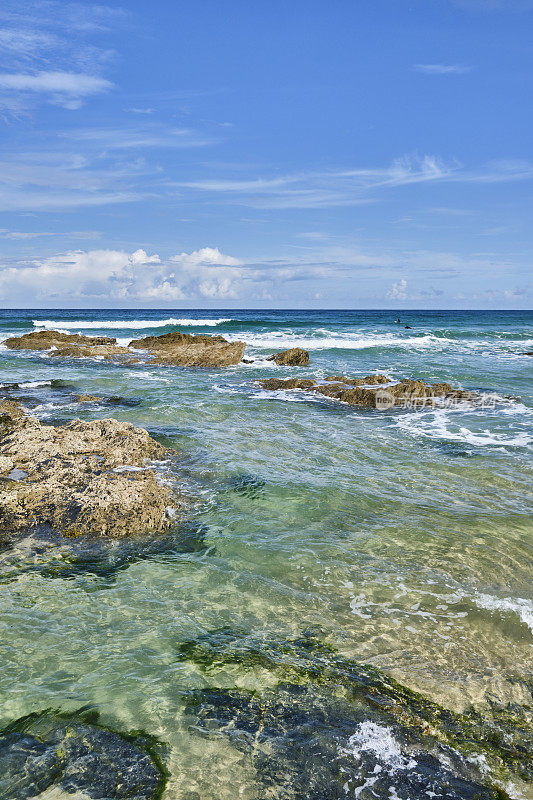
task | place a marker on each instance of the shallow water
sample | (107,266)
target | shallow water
(403,536)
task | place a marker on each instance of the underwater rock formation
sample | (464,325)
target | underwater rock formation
(360,392)
(71,754)
(84,477)
(295,357)
(326,727)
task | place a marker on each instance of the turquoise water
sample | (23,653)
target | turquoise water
(403,536)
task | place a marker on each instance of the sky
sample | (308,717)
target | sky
(266,154)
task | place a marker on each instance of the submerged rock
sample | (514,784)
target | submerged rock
(68,753)
(295,357)
(84,477)
(359,391)
(188,350)
(327,727)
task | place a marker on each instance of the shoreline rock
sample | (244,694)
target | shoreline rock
(81,478)
(295,357)
(173,349)
(361,392)
(188,350)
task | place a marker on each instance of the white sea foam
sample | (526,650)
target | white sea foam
(336,341)
(438,424)
(517,605)
(133,324)
(380,741)
(27,384)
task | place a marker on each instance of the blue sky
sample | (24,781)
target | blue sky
(228,153)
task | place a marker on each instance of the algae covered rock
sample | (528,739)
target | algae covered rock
(371,392)
(295,357)
(48,751)
(321,725)
(84,477)
(188,350)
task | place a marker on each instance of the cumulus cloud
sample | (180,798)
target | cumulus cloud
(116,274)
(398,290)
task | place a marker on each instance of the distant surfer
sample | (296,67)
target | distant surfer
(408,326)
(398,320)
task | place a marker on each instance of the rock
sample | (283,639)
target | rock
(44,340)
(370,380)
(188,350)
(84,477)
(247,361)
(67,755)
(274,384)
(528,353)
(88,398)
(296,357)
(323,727)
(356,391)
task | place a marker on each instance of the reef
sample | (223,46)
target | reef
(295,357)
(326,727)
(84,477)
(374,391)
(176,349)
(51,752)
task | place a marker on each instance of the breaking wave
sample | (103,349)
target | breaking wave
(134,324)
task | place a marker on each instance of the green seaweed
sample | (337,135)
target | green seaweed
(506,740)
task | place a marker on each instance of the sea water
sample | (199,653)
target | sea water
(402,535)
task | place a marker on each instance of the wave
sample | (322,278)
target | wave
(330,341)
(438,425)
(133,324)
(518,605)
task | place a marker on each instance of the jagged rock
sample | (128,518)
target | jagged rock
(44,340)
(356,391)
(370,380)
(187,350)
(58,753)
(295,357)
(273,384)
(177,349)
(78,478)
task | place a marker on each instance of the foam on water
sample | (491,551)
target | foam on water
(517,605)
(133,324)
(440,424)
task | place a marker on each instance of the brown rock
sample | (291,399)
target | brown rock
(88,398)
(44,340)
(370,380)
(187,350)
(296,357)
(356,391)
(289,383)
(78,478)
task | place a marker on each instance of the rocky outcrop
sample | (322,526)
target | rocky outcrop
(175,349)
(44,340)
(72,756)
(187,350)
(296,357)
(360,391)
(85,477)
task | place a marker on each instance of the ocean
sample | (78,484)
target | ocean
(402,538)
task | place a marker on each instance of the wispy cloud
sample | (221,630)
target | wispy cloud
(442,69)
(345,187)
(67,89)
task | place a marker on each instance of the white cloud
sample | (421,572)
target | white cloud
(63,88)
(442,69)
(398,290)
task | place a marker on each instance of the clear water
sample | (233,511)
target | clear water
(403,536)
